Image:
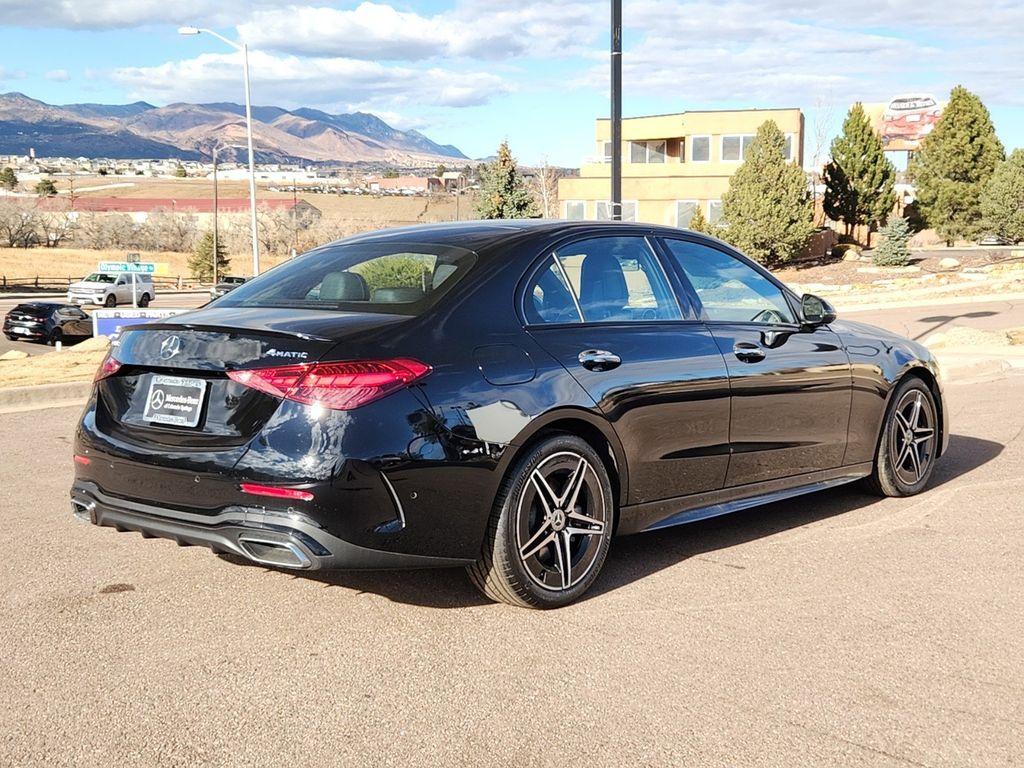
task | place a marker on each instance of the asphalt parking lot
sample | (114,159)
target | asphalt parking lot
(837,629)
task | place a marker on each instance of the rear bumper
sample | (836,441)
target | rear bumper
(276,539)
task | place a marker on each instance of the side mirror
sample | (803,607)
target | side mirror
(815,311)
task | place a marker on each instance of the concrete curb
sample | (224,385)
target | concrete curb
(46,296)
(15,399)
(938,301)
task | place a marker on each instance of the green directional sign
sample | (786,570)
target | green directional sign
(146,267)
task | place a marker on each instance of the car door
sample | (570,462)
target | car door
(79,323)
(604,307)
(791,384)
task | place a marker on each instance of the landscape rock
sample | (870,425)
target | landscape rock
(13,354)
(949,263)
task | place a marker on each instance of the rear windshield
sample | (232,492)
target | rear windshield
(99,277)
(34,310)
(397,278)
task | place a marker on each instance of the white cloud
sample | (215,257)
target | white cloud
(294,81)
(482,30)
(12,74)
(119,14)
(58,75)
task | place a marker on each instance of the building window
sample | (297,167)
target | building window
(575,209)
(647,151)
(715,212)
(700,149)
(734,147)
(788,151)
(684,213)
(628,210)
(604,149)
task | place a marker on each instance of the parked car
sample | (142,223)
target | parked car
(111,289)
(225,285)
(503,396)
(994,240)
(47,322)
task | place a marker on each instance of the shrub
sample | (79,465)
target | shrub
(893,252)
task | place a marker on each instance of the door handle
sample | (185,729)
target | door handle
(748,352)
(599,360)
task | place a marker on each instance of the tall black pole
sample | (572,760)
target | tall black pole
(616,198)
(216,205)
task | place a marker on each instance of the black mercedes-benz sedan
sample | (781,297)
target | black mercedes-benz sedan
(504,396)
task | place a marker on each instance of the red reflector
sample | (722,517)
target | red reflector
(339,386)
(83,460)
(278,493)
(108,367)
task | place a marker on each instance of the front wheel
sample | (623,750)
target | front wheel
(550,527)
(909,441)
(111,301)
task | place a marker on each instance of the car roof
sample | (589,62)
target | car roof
(483,235)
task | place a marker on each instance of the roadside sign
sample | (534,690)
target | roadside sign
(133,258)
(111,322)
(145,267)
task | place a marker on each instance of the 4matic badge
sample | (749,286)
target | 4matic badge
(291,355)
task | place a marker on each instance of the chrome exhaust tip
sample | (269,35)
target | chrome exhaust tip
(83,510)
(281,554)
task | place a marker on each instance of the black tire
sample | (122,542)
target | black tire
(110,301)
(527,519)
(55,335)
(144,300)
(10,336)
(912,415)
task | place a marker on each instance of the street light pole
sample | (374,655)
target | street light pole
(616,191)
(215,209)
(244,49)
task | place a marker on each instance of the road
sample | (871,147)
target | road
(836,629)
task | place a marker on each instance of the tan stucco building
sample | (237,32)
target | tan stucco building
(673,163)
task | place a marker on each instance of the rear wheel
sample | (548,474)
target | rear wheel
(907,446)
(111,301)
(55,335)
(550,528)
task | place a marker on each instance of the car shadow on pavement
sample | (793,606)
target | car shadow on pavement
(641,555)
(634,557)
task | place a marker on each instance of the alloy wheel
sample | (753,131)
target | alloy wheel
(912,437)
(562,521)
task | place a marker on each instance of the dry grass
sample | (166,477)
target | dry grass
(74,262)
(77,363)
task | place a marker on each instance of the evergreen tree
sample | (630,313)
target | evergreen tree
(893,252)
(859,178)
(1002,199)
(46,188)
(504,194)
(697,222)
(766,211)
(200,262)
(8,180)
(180,172)
(954,163)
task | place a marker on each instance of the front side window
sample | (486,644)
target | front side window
(400,278)
(617,279)
(728,289)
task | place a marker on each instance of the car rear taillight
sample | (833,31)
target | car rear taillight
(339,386)
(108,367)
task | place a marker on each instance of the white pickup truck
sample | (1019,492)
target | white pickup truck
(110,289)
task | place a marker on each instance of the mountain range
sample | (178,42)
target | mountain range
(190,131)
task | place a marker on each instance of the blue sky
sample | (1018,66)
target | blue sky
(474,72)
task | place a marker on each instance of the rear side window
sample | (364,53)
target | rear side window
(397,278)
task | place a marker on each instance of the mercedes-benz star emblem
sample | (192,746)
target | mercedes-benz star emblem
(157,401)
(170,347)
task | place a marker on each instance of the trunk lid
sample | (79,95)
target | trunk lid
(173,391)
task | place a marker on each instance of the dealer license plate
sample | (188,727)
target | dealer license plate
(175,400)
